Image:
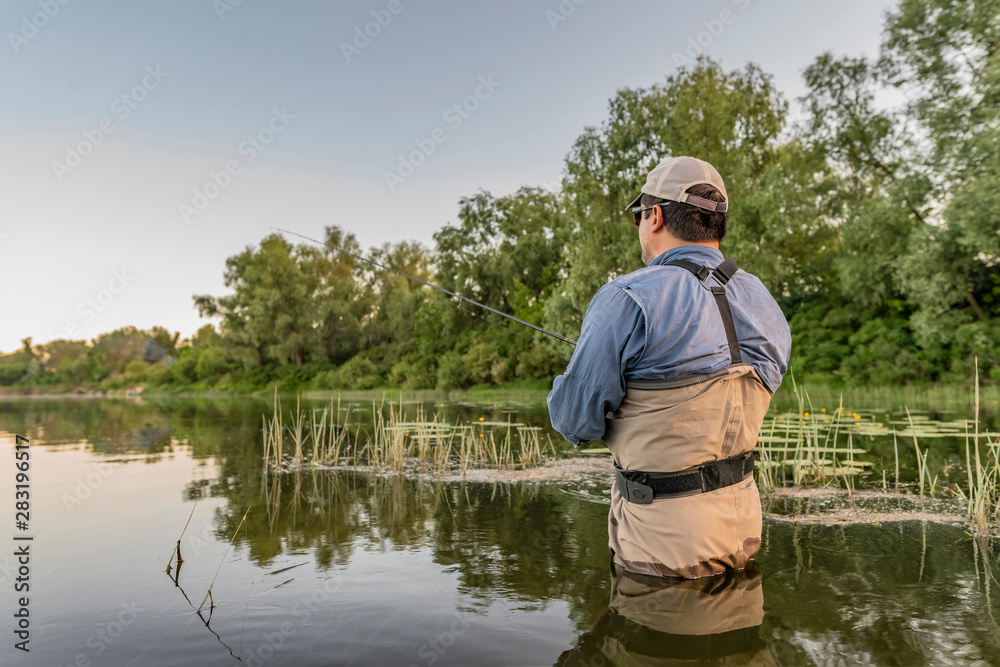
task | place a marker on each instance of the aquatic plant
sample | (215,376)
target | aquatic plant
(208,594)
(807,448)
(395,443)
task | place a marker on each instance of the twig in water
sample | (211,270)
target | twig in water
(209,593)
(179,559)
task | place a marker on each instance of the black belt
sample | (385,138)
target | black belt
(644,641)
(643,487)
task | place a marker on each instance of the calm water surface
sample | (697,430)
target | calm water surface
(349,569)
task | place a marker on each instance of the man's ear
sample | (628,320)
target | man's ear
(657,218)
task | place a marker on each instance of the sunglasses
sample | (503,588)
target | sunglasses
(637,211)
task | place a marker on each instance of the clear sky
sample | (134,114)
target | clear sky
(142,143)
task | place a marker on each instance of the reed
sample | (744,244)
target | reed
(299,435)
(273,436)
(183,530)
(984,477)
(806,448)
(395,444)
(208,594)
(810,446)
(765,467)
(921,460)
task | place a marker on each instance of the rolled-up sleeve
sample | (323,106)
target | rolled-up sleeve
(613,335)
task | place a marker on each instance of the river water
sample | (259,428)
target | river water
(351,569)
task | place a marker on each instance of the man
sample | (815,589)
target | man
(675,368)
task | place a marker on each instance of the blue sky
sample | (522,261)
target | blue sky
(144,142)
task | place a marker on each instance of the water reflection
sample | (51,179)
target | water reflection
(174,573)
(657,621)
(500,539)
(399,560)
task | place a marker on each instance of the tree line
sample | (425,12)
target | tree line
(875,227)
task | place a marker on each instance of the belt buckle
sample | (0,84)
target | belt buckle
(635,492)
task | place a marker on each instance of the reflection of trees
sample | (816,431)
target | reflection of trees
(329,515)
(113,427)
(533,543)
(907,593)
(903,593)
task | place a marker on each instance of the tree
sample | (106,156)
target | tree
(395,299)
(506,252)
(732,120)
(945,54)
(290,304)
(879,196)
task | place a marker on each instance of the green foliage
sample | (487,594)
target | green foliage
(874,227)
(733,120)
(359,373)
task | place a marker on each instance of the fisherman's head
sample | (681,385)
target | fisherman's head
(686,198)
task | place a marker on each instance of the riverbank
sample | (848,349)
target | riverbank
(536,387)
(589,479)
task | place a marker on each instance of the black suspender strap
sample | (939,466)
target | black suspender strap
(727,320)
(722,275)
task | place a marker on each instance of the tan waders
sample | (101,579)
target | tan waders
(665,622)
(684,503)
(692,532)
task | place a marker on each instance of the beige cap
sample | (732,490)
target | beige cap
(672,177)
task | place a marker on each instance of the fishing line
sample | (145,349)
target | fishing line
(432,286)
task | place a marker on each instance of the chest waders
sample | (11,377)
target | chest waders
(684,503)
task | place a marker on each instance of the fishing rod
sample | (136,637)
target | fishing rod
(424,282)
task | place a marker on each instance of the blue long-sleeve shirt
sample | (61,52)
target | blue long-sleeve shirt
(618,342)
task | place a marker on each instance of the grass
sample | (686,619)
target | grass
(984,479)
(803,448)
(208,594)
(396,443)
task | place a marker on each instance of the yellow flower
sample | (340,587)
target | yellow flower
(482,419)
(822,409)
(806,414)
(482,435)
(879,425)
